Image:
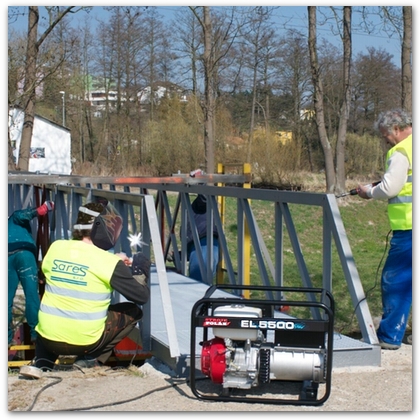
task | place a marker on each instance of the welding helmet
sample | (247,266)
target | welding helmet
(104,222)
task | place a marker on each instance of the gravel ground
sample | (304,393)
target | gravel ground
(151,388)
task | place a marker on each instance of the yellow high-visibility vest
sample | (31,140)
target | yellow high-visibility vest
(400,207)
(77,294)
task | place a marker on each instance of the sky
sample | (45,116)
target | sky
(296,16)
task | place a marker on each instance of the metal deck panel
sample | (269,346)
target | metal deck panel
(185,292)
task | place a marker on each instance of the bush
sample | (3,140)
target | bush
(364,156)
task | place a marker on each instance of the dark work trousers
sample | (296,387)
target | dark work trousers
(121,319)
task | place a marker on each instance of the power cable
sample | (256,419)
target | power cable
(59,379)
(172,385)
(373,287)
(43,389)
(162,388)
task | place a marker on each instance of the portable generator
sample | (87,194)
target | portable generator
(252,351)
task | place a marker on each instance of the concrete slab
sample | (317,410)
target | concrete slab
(185,292)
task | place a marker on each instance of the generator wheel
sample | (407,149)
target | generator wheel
(225,392)
(309,391)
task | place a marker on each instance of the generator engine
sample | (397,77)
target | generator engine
(251,351)
(243,358)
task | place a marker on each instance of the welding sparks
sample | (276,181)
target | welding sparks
(135,240)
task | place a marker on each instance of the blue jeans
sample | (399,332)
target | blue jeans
(194,266)
(22,267)
(396,284)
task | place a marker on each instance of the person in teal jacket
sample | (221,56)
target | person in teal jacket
(22,265)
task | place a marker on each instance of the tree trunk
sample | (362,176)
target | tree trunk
(11,166)
(406,53)
(340,186)
(31,82)
(209,107)
(319,102)
(29,89)
(253,106)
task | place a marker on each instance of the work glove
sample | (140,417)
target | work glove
(141,265)
(196,172)
(45,208)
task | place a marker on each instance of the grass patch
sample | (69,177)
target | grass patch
(366,226)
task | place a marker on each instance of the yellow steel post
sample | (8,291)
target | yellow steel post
(222,207)
(247,241)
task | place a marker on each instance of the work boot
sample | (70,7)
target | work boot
(410,339)
(86,363)
(388,346)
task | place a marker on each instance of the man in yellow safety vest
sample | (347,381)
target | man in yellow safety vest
(395,126)
(76,316)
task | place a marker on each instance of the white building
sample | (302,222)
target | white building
(99,98)
(50,145)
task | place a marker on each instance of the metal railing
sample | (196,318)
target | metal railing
(159,209)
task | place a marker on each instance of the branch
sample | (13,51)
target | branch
(58,19)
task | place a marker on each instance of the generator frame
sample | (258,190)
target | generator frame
(317,335)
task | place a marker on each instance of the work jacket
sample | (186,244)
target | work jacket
(400,207)
(77,294)
(200,221)
(19,231)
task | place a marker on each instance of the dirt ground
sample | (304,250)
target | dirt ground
(152,388)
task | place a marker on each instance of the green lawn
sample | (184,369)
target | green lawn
(366,225)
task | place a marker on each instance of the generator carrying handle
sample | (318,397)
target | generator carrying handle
(324,295)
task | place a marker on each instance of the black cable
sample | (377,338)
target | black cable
(373,287)
(162,388)
(173,385)
(43,389)
(97,406)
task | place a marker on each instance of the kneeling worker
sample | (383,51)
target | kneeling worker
(75,316)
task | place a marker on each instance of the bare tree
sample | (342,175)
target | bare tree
(82,60)
(294,82)
(340,185)
(154,36)
(187,31)
(210,100)
(318,98)
(112,58)
(396,20)
(130,57)
(217,43)
(372,75)
(335,178)
(399,19)
(406,52)
(32,76)
(258,37)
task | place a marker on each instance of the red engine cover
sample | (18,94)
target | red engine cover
(213,362)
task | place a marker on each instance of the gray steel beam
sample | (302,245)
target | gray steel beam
(162,277)
(350,271)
